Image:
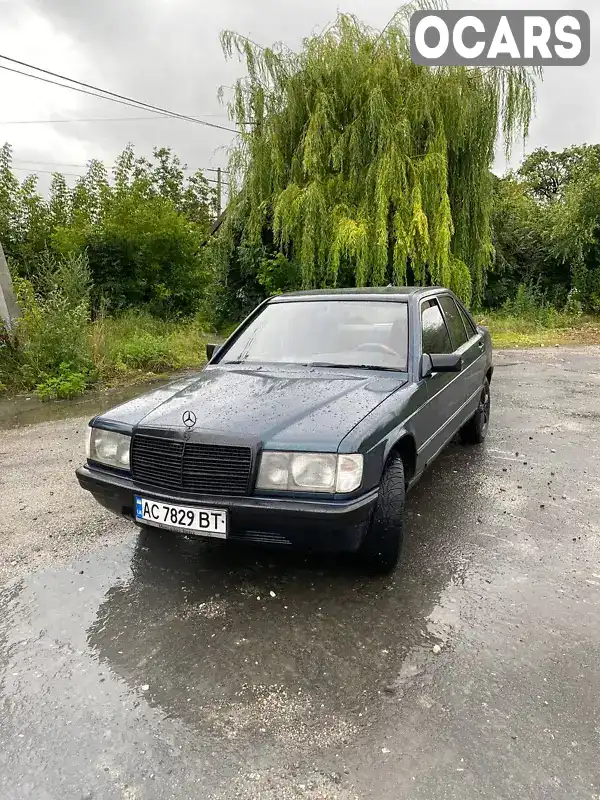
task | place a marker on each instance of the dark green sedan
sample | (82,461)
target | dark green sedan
(306,428)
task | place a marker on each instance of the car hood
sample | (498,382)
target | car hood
(307,408)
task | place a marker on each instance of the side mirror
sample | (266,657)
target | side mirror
(440,362)
(212,350)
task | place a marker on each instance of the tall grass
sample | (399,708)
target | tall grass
(49,349)
(529,320)
(58,352)
(138,342)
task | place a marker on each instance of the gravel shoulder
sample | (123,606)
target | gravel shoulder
(46,518)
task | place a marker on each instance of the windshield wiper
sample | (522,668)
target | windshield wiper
(325,364)
(352,366)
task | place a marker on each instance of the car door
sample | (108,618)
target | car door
(470,344)
(476,338)
(443,396)
(468,348)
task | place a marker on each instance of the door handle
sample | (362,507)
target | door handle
(481,345)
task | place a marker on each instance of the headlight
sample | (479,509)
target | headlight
(108,447)
(310,472)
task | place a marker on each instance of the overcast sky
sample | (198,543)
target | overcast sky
(167,52)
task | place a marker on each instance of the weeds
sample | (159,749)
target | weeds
(63,386)
(528,320)
(138,341)
(58,352)
(50,339)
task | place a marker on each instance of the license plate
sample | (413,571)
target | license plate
(204,521)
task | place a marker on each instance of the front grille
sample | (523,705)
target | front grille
(191,467)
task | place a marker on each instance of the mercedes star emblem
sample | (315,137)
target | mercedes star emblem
(189,419)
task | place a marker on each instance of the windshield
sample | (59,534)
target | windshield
(345,333)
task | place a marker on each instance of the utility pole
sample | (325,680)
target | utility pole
(218,192)
(9,310)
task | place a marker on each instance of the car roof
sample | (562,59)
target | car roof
(400,293)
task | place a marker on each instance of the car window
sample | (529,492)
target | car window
(341,333)
(454,320)
(435,336)
(469,324)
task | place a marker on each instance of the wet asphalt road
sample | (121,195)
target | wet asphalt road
(138,666)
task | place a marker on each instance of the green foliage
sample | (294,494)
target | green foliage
(547,230)
(235,289)
(559,328)
(9,202)
(65,385)
(51,337)
(528,303)
(573,305)
(145,351)
(109,349)
(276,274)
(548,173)
(528,319)
(362,168)
(146,254)
(141,228)
(137,341)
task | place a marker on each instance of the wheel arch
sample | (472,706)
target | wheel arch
(405,447)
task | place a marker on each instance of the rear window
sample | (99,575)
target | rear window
(469,324)
(435,336)
(454,320)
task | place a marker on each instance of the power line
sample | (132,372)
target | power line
(124,100)
(75,89)
(75,174)
(48,172)
(65,164)
(103,94)
(49,163)
(92,119)
(214,180)
(64,86)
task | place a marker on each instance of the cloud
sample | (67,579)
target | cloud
(167,52)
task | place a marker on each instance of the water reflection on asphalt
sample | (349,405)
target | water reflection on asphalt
(257,648)
(239,640)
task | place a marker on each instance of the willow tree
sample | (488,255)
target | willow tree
(358,162)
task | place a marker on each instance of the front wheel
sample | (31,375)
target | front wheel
(380,549)
(475,430)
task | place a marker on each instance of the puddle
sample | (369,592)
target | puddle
(16,412)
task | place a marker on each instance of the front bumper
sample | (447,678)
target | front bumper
(322,525)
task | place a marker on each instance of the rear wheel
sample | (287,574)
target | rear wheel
(475,430)
(380,549)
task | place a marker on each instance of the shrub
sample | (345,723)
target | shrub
(63,386)
(146,254)
(573,306)
(51,335)
(9,357)
(528,302)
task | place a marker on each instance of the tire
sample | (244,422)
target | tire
(381,547)
(475,430)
